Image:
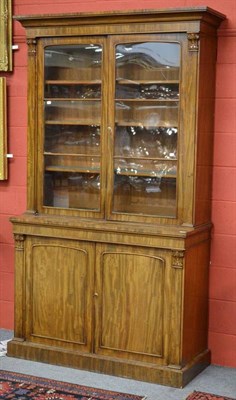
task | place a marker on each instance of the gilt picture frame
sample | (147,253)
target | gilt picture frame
(3,129)
(6,35)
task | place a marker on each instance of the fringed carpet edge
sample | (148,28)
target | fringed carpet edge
(196,395)
(71,389)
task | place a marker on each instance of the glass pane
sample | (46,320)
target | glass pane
(72,139)
(72,163)
(72,190)
(72,110)
(146,128)
(147,91)
(149,61)
(81,63)
(139,141)
(142,167)
(145,195)
(146,113)
(74,91)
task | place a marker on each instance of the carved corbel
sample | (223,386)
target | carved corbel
(31,47)
(177,259)
(19,242)
(193,41)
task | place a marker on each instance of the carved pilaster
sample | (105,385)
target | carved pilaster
(19,242)
(193,41)
(19,285)
(31,47)
(178,259)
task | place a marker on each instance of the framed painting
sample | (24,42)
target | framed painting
(3,129)
(6,35)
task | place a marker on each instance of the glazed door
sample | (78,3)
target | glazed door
(72,141)
(117,128)
(144,127)
(137,308)
(59,293)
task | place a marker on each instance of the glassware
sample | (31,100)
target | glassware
(72,111)
(146,128)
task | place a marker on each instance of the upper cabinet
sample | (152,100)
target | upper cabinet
(111,124)
(121,117)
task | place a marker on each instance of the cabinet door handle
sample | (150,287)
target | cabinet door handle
(95,294)
(110,129)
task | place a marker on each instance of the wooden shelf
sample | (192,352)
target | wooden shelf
(72,99)
(73,122)
(48,153)
(143,99)
(72,82)
(145,173)
(60,168)
(146,82)
(144,125)
(117,157)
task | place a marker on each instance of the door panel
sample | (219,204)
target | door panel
(71,169)
(145,125)
(59,282)
(130,302)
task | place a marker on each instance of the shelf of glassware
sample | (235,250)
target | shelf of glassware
(72,125)
(72,164)
(72,189)
(67,111)
(145,195)
(72,147)
(147,89)
(145,170)
(72,89)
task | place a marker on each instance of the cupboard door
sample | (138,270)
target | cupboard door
(72,144)
(146,88)
(130,303)
(59,281)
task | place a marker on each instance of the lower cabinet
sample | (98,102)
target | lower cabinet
(112,308)
(116,304)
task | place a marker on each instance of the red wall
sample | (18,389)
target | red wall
(222,324)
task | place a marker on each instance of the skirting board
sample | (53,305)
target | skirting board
(163,375)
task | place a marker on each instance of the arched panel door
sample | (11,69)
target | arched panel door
(131,302)
(59,292)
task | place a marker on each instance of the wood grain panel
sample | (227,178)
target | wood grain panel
(195,319)
(131,302)
(205,126)
(59,290)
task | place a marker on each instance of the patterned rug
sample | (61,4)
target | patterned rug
(207,396)
(18,386)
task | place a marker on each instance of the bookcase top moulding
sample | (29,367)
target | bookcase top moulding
(202,13)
